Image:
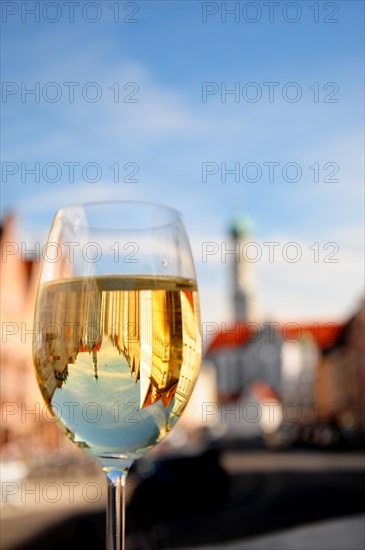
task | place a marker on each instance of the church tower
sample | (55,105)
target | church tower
(244,305)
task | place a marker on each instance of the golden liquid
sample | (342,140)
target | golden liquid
(117,358)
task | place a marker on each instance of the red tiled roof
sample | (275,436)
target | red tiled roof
(261,391)
(323,334)
(232,337)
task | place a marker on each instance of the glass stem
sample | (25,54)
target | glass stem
(115,517)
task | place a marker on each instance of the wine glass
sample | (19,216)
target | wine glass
(117,345)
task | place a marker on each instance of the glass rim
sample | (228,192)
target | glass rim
(176,215)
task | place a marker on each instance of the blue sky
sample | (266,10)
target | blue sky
(162,60)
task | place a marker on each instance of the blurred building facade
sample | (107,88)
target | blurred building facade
(25,428)
(317,368)
(340,377)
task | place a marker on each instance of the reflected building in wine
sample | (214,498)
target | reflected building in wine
(190,327)
(155,331)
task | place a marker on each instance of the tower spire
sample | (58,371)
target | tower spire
(243,276)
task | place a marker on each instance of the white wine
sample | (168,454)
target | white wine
(117,358)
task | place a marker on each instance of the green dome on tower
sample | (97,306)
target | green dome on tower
(241,226)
